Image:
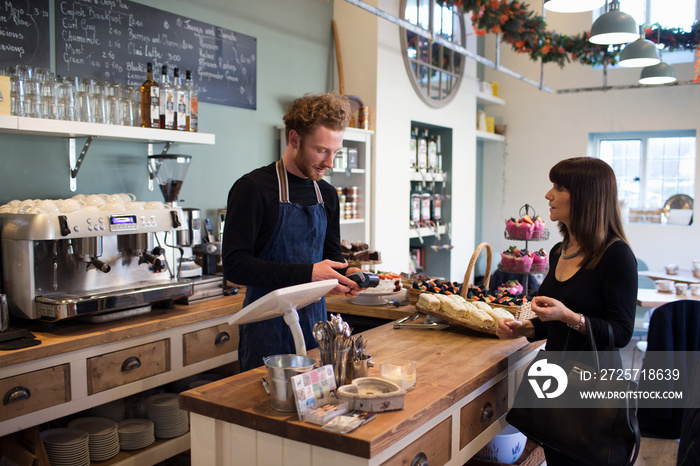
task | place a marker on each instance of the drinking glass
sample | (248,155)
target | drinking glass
(111,105)
(17,95)
(126,111)
(83,107)
(97,106)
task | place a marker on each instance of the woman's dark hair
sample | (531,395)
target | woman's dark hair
(594,219)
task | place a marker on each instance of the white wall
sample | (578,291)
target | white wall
(544,128)
(394,104)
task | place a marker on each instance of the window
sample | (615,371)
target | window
(655,170)
(435,70)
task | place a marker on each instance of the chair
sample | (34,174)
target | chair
(674,332)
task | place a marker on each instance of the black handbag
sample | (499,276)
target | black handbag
(607,434)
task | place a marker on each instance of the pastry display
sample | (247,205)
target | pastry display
(523,263)
(539,261)
(508,258)
(538,227)
(512,287)
(477,293)
(358,252)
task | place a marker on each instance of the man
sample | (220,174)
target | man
(282,225)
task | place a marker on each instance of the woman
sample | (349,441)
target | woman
(592,279)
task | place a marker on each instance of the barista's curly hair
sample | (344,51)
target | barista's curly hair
(331,110)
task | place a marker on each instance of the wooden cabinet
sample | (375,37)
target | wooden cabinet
(33,391)
(208,343)
(434,445)
(482,411)
(129,365)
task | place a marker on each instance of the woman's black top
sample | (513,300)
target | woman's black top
(607,292)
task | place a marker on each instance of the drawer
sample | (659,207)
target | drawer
(25,393)
(208,343)
(482,411)
(121,367)
(436,445)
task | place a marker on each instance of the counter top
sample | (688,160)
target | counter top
(450,365)
(68,336)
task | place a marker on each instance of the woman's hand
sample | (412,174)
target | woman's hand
(550,309)
(507,328)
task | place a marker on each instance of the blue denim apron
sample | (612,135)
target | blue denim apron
(298,238)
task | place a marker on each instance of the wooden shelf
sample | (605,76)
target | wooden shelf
(78,129)
(489,137)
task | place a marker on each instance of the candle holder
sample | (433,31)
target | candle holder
(400,371)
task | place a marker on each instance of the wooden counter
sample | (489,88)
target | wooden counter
(458,405)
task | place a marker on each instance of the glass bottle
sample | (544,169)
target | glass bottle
(181,101)
(193,124)
(432,153)
(167,101)
(422,162)
(413,147)
(150,107)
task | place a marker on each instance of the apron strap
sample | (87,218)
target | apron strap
(283,184)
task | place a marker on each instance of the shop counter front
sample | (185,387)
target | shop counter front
(464,383)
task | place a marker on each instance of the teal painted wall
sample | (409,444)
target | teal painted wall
(294,56)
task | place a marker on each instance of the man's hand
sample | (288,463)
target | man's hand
(326,270)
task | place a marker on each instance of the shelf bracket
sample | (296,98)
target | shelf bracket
(73,163)
(151,176)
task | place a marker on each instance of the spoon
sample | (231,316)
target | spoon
(318,332)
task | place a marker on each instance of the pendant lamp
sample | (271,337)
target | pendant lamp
(572,6)
(639,53)
(658,74)
(613,27)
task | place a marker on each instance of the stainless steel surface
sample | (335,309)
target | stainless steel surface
(51,268)
(4,314)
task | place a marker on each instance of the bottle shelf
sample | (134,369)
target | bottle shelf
(423,232)
(351,221)
(79,129)
(488,99)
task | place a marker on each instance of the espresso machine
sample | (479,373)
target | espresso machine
(85,260)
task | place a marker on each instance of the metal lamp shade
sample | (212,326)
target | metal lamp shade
(572,6)
(658,74)
(614,27)
(639,53)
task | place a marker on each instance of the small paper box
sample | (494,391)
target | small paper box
(4,95)
(494,88)
(313,389)
(486,88)
(490,125)
(325,413)
(353,159)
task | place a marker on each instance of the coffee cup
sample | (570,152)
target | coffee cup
(134,205)
(665,286)
(79,197)
(113,207)
(95,199)
(90,208)
(6,209)
(69,205)
(116,198)
(127,197)
(672,269)
(695,289)
(681,289)
(48,206)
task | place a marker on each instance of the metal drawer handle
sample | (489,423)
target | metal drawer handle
(222,338)
(487,411)
(420,460)
(131,363)
(16,394)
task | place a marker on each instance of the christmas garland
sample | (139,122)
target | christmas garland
(526,33)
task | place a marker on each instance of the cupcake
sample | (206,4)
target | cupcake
(508,258)
(539,261)
(512,287)
(524,228)
(538,227)
(523,263)
(511,227)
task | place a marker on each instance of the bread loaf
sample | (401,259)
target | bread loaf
(429,301)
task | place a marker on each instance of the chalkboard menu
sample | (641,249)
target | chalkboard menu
(112,40)
(24,33)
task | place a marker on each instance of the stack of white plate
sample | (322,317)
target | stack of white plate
(164,411)
(136,433)
(114,410)
(67,447)
(104,439)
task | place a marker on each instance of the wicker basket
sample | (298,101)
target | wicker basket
(522,312)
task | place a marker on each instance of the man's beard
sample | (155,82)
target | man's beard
(304,166)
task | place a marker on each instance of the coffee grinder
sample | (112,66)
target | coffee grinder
(169,172)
